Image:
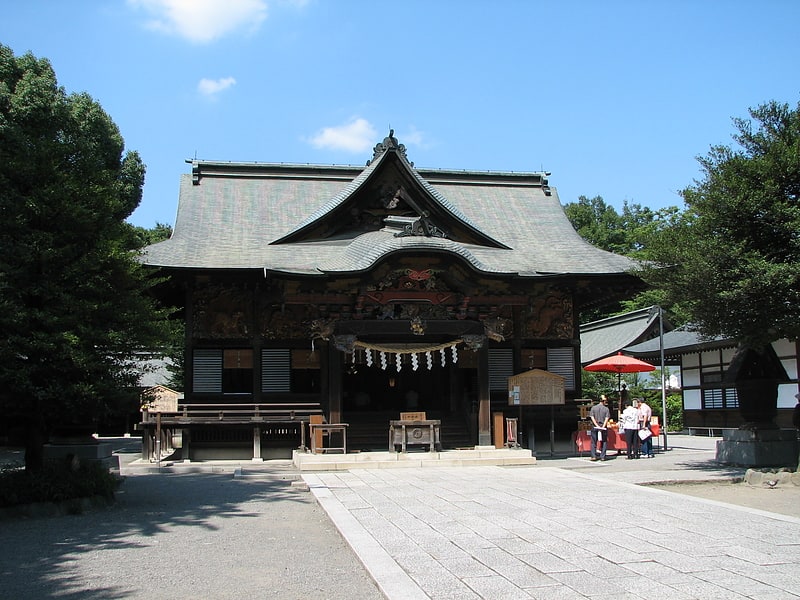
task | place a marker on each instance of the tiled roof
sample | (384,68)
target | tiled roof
(230,216)
(679,341)
(608,336)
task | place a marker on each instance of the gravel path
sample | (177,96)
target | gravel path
(784,500)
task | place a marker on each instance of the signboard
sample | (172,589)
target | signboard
(536,387)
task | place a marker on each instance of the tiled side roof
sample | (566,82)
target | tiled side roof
(230,220)
(608,336)
(679,341)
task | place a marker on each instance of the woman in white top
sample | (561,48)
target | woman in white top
(630,425)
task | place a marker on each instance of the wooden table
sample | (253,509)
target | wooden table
(330,429)
(616,440)
(407,433)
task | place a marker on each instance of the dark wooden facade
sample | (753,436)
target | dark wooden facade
(355,293)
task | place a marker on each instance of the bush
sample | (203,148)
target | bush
(675,412)
(56,483)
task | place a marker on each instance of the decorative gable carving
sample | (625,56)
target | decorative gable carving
(390,196)
(388,142)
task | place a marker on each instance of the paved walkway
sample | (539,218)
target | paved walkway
(565,528)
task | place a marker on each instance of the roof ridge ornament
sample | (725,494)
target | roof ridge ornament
(388,142)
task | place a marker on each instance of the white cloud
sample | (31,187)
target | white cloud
(211,87)
(412,137)
(356,136)
(203,21)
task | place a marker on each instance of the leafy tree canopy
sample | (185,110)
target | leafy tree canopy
(732,258)
(157,234)
(627,233)
(74,302)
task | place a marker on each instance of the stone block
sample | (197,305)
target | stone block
(758,448)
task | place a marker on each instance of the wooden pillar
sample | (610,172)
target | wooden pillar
(323,352)
(257,444)
(186,439)
(455,389)
(484,398)
(334,384)
(188,347)
(499,429)
(317,442)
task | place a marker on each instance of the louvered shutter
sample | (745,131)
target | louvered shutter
(276,370)
(561,361)
(207,371)
(501,367)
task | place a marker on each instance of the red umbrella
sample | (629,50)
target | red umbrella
(619,364)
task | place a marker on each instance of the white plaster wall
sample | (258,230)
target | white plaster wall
(691,400)
(690,378)
(690,360)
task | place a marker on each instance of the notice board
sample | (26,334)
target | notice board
(536,387)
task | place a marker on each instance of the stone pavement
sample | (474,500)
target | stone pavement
(564,528)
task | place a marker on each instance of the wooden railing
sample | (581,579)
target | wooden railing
(205,413)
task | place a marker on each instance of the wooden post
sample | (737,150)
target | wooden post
(334,384)
(317,443)
(257,444)
(186,440)
(484,398)
(498,429)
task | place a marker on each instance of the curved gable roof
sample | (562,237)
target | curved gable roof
(263,216)
(423,200)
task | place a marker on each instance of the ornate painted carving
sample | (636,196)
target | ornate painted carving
(322,329)
(283,323)
(550,316)
(474,342)
(222,312)
(498,329)
(410,279)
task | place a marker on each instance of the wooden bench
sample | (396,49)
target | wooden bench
(710,431)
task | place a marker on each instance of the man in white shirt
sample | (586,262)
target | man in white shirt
(630,425)
(646,414)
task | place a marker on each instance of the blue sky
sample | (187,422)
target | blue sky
(614,98)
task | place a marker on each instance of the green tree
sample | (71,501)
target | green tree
(159,233)
(598,223)
(733,257)
(75,307)
(629,233)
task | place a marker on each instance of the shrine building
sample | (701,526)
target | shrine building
(350,294)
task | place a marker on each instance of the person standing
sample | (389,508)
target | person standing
(630,425)
(646,414)
(599,414)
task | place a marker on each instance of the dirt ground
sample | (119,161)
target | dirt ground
(782,499)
